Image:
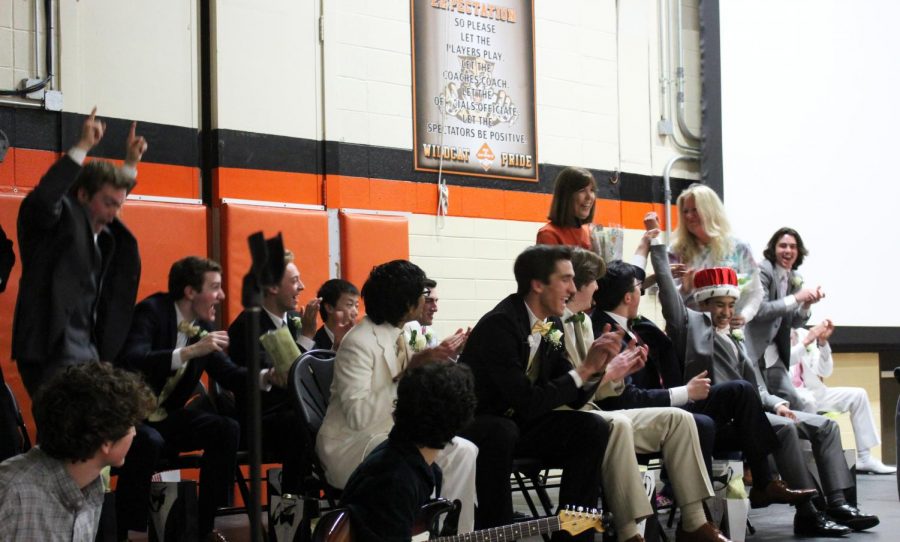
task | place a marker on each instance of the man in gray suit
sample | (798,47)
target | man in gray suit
(785,305)
(706,343)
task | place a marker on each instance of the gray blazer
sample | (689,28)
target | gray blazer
(774,320)
(773,324)
(693,332)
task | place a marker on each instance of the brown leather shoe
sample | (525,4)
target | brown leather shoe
(777,492)
(706,533)
(216,536)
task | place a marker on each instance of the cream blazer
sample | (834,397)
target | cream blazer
(360,412)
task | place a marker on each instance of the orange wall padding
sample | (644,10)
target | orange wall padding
(305,233)
(368,240)
(165,232)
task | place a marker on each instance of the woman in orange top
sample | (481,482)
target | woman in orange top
(571,211)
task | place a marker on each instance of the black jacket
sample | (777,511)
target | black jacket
(497,351)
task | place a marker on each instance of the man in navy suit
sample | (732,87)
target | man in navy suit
(283,434)
(171,343)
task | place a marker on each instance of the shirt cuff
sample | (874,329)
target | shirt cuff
(790,301)
(578,381)
(679,396)
(263,385)
(129,171)
(77,155)
(306,343)
(639,260)
(176,359)
(785,403)
(656,241)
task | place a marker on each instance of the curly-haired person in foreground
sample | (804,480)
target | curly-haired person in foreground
(85,416)
(384,494)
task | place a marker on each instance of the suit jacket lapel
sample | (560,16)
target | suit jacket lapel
(388,343)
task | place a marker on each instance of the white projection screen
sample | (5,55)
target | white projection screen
(810,120)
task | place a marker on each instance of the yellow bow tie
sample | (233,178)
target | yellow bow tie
(542,327)
(189,329)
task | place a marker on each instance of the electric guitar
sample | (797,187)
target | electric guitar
(335,526)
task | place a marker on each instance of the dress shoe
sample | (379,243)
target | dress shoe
(216,536)
(870,465)
(818,525)
(706,533)
(777,492)
(850,516)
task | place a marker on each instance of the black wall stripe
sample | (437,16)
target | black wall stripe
(865,339)
(43,130)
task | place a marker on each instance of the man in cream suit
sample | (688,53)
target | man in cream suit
(371,359)
(644,430)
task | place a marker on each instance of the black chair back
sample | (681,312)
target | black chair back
(20,422)
(310,384)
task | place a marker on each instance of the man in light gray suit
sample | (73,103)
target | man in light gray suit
(705,341)
(785,305)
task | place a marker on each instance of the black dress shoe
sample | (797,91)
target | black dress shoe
(851,517)
(818,525)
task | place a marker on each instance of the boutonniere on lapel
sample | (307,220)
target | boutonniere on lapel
(576,318)
(418,341)
(191,330)
(548,332)
(737,334)
(796,282)
(298,323)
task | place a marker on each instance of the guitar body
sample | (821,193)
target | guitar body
(334,527)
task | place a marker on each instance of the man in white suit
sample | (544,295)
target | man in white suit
(810,363)
(371,359)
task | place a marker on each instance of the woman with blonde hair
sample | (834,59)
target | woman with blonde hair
(703,239)
(571,211)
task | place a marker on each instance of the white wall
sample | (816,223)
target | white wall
(130,59)
(809,122)
(267,67)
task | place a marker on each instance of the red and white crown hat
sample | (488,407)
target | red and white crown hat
(715,282)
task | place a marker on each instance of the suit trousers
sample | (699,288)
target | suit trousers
(671,431)
(741,424)
(284,440)
(856,402)
(574,441)
(825,437)
(35,373)
(182,431)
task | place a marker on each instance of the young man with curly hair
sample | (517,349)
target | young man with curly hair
(386,491)
(370,361)
(85,416)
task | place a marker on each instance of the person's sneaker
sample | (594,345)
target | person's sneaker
(870,465)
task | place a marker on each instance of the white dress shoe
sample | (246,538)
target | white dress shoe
(873,466)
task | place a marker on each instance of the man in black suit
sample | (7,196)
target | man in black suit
(284,436)
(80,264)
(171,343)
(522,377)
(339,309)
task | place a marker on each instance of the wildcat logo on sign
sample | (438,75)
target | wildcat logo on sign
(473,88)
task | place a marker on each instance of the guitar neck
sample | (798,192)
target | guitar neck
(508,532)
